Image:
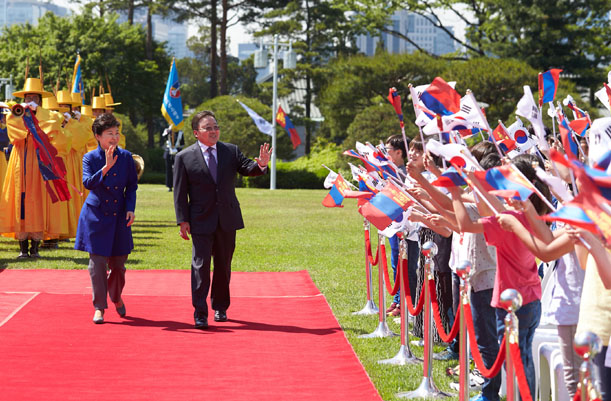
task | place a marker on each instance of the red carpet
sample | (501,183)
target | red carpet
(282,342)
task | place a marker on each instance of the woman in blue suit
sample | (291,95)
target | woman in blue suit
(104,227)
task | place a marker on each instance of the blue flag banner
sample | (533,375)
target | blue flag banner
(260,122)
(171,108)
(77,79)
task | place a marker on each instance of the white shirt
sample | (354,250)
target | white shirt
(204,149)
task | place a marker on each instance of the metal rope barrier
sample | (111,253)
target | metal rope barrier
(427,388)
(382,330)
(587,345)
(370,307)
(404,356)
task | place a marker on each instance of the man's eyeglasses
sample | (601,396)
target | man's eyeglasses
(209,129)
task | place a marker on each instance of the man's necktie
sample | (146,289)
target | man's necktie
(212,163)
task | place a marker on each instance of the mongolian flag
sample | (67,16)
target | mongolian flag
(386,206)
(171,108)
(597,180)
(77,79)
(51,165)
(548,85)
(502,138)
(395,100)
(441,98)
(369,166)
(572,214)
(580,126)
(592,203)
(577,112)
(285,122)
(450,178)
(335,197)
(569,143)
(505,182)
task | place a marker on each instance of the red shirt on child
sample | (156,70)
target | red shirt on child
(516,265)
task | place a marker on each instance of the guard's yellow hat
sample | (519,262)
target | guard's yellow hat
(86,111)
(77,100)
(109,100)
(64,97)
(32,85)
(50,103)
(98,103)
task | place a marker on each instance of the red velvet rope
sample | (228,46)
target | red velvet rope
(514,350)
(384,267)
(577,396)
(368,249)
(445,337)
(477,357)
(408,296)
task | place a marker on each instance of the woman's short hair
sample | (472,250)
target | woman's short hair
(103,122)
(197,117)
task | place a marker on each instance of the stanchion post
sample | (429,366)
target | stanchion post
(382,330)
(464,272)
(587,345)
(370,307)
(511,301)
(404,356)
(427,388)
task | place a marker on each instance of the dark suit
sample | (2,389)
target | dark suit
(213,212)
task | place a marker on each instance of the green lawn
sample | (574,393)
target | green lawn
(286,230)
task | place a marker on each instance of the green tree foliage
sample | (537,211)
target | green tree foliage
(106,49)
(319,30)
(356,83)
(238,128)
(356,87)
(374,124)
(567,34)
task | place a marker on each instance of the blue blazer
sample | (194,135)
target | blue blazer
(102,226)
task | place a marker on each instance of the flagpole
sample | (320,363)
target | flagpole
(272,180)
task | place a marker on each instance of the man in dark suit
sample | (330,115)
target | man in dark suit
(208,209)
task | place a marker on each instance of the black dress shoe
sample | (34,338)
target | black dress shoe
(220,316)
(201,323)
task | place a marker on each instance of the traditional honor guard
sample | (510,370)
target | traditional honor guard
(58,213)
(23,200)
(88,111)
(4,142)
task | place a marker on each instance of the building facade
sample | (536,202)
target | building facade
(416,27)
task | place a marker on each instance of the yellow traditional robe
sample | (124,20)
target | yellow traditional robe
(79,135)
(58,221)
(24,181)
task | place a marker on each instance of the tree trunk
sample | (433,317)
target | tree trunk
(308,120)
(130,12)
(224,90)
(149,56)
(101,8)
(213,55)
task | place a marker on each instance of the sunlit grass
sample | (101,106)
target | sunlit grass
(286,230)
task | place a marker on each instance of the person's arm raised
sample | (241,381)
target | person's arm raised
(465,224)
(544,250)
